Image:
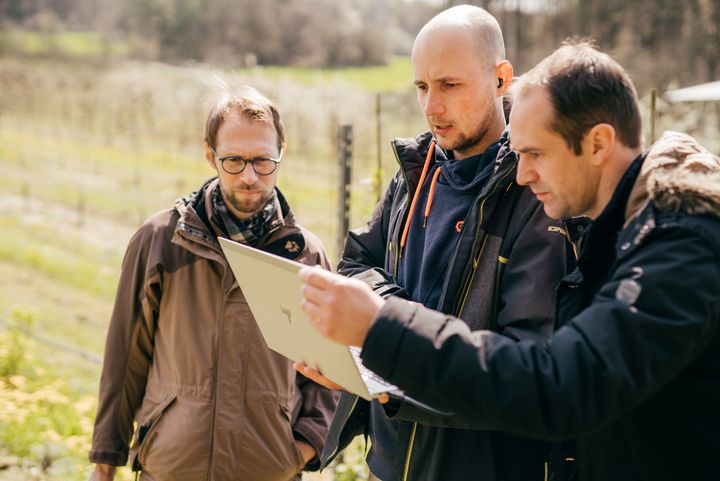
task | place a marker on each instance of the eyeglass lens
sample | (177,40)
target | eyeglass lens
(235,165)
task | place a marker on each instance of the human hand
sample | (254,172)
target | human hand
(308,452)
(340,308)
(314,375)
(102,472)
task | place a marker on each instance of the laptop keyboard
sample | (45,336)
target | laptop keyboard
(369,376)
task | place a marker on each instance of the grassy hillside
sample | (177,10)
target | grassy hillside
(394,77)
(89,151)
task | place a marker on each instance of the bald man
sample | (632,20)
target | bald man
(455,233)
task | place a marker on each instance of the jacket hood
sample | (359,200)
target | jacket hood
(680,175)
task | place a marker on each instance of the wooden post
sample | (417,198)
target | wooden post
(377,178)
(344,150)
(80,208)
(25,194)
(653,99)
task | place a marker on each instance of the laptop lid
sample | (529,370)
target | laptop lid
(272,288)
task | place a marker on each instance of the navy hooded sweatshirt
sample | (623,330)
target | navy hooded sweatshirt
(432,239)
(426,256)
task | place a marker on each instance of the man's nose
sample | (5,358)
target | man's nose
(433,105)
(248,175)
(525,174)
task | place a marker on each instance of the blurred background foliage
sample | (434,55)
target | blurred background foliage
(660,41)
(102,105)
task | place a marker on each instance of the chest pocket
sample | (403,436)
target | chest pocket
(569,298)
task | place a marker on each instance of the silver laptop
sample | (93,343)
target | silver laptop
(271,286)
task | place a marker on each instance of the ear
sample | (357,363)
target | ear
(600,141)
(283,151)
(210,157)
(504,72)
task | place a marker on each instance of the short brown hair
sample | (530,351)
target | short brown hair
(245,101)
(586,88)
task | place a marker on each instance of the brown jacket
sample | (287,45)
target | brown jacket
(185,359)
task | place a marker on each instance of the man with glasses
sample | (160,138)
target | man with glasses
(184,357)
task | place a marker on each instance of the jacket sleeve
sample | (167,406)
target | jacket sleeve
(317,403)
(366,247)
(608,359)
(316,412)
(128,353)
(351,418)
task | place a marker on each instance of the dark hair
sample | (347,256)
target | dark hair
(586,88)
(245,101)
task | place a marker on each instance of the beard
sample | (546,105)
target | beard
(465,142)
(244,204)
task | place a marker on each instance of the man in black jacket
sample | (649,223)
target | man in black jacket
(633,374)
(454,232)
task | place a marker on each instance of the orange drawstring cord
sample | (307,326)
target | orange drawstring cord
(406,229)
(431,195)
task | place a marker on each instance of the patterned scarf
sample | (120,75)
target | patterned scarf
(251,230)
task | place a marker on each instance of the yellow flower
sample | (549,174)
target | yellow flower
(85,405)
(52,436)
(18,381)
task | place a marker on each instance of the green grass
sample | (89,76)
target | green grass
(41,419)
(117,182)
(45,420)
(69,44)
(394,77)
(77,265)
(67,314)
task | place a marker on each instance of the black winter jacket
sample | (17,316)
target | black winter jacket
(633,375)
(501,277)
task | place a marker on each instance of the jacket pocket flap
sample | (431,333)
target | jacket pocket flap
(148,422)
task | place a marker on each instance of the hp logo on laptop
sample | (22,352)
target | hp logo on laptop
(286,312)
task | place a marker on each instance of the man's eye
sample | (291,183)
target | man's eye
(527,155)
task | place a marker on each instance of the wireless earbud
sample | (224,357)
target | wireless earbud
(500,82)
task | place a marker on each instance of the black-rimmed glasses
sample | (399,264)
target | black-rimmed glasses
(234,164)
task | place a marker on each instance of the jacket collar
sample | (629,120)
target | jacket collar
(411,152)
(675,174)
(678,175)
(597,246)
(613,216)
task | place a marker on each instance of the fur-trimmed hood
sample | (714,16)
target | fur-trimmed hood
(678,174)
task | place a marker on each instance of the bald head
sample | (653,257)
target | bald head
(460,75)
(474,25)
